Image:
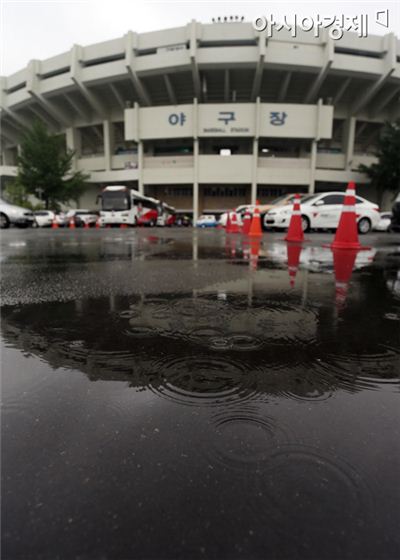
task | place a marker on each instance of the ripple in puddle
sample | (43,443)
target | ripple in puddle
(200,380)
(244,437)
(298,475)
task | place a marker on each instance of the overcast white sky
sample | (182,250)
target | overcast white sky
(43,28)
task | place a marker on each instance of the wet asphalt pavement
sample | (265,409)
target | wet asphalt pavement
(183,394)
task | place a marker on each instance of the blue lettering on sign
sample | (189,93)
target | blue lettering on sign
(226,116)
(276,118)
(177,118)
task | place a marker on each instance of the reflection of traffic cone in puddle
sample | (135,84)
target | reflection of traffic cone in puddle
(346,234)
(230,247)
(254,253)
(234,223)
(293,258)
(228,223)
(233,250)
(246,250)
(246,223)
(295,231)
(343,262)
(255,228)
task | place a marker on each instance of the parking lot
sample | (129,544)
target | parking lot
(238,398)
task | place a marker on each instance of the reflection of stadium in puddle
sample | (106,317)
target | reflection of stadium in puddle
(224,325)
(207,350)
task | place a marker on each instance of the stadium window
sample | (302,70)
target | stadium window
(178,191)
(272,192)
(224,191)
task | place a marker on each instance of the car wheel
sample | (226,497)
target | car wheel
(305,224)
(4,221)
(364,226)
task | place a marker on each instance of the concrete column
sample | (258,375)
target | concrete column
(313,162)
(195,179)
(348,140)
(73,142)
(108,143)
(140,167)
(254,163)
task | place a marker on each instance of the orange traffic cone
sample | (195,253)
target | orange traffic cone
(246,223)
(293,258)
(97,223)
(255,228)
(295,232)
(54,224)
(86,226)
(346,234)
(343,262)
(123,226)
(72,223)
(234,223)
(254,253)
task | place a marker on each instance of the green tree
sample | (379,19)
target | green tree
(44,168)
(385,174)
(16,193)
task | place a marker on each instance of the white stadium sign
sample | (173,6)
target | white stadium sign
(278,120)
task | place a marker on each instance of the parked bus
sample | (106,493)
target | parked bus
(121,205)
(167,216)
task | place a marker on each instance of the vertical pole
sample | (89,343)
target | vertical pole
(254,159)
(196,180)
(254,164)
(313,162)
(140,167)
(349,137)
(195,163)
(107,144)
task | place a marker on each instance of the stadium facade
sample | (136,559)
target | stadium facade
(209,116)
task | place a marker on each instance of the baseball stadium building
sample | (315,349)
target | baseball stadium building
(209,116)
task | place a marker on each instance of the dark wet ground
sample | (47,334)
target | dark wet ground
(180,394)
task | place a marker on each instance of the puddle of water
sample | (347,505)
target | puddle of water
(251,412)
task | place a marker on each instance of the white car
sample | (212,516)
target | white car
(322,211)
(16,215)
(44,218)
(384,222)
(206,220)
(81,217)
